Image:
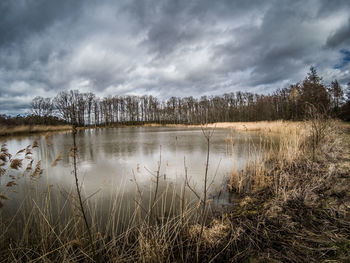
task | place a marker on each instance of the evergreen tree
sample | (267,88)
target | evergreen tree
(314,92)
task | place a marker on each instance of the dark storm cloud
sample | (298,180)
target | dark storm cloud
(13,106)
(22,18)
(340,37)
(166,48)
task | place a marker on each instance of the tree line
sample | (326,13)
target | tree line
(290,103)
(30,119)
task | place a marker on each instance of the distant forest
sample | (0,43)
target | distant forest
(292,103)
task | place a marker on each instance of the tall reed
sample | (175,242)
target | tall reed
(163,224)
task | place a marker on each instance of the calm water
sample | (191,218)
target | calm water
(109,160)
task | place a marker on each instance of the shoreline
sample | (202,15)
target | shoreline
(262,126)
(295,209)
(30,129)
(240,126)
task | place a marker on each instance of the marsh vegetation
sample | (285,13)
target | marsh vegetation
(285,200)
(174,189)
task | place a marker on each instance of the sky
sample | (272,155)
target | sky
(167,47)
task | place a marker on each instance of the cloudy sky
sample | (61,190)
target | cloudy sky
(167,47)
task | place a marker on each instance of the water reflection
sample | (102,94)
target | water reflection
(109,159)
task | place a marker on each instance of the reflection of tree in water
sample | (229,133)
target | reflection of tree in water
(107,157)
(112,153)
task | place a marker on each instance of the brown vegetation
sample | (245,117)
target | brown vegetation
(25,129)
(294,207)
(262,126)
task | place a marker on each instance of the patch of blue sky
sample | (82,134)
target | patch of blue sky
(345,59)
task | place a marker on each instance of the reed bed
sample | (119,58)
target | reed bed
(263,126)
(292,204)
(25,129)
(294,201)
(48,224)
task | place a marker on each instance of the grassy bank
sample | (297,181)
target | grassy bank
(291,205)
(27,129)
(295,206)
(274,126)
(268,126)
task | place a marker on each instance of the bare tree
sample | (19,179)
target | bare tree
(42,107)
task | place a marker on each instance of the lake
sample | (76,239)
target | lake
(122,162)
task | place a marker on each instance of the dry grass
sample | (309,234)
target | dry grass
(295,202)
(16,164)
(24,129)
(281,142)
(284,144)
(57,160)
(265,126)
(291,209)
